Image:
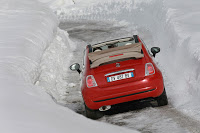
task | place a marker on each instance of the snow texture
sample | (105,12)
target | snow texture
(35,55)
(174,27)
(28,31)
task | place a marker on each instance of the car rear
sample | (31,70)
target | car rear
(122,81)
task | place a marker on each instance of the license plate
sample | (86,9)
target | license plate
(120,77)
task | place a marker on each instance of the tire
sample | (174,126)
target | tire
(92,114)
(162,99)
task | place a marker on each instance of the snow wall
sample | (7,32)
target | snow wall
(28,29)
(174,27)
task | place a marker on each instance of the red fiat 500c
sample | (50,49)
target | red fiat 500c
(119,71)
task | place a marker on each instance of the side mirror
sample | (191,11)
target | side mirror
(75,67)
(155,50)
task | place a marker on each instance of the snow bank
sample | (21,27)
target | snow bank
(174,28)
(54,4)
(28,28)
(182,50)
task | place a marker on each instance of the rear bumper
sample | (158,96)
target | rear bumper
(131,94)
(149,87)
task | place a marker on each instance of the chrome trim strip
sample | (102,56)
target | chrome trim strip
(127,70)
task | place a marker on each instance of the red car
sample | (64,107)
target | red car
(119,71)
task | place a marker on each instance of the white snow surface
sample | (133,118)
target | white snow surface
(28,29)
(34,52)
(174,27)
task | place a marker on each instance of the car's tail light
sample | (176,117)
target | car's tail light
(90,81)
(149,69)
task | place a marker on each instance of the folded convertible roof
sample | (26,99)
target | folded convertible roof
(123,52)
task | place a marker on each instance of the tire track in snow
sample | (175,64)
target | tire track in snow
(184,121)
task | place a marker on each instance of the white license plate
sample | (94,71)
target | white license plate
(119,77)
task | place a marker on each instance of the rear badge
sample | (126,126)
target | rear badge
(117,65)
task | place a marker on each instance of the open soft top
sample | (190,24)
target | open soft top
(117,53)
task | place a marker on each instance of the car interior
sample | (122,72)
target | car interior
(113,44)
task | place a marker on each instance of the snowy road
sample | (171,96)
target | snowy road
(145,119)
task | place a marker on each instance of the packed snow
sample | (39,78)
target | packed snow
(29,33)
(40,93)
(173,26)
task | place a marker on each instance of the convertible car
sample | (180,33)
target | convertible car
(119,71)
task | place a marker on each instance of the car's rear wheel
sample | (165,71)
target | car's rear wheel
(162,99)
(93,114)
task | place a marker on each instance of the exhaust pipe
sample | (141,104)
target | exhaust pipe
(105,108)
